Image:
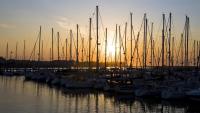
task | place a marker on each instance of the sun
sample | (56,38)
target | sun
(110,49)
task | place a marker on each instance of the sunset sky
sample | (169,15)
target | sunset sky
(20,19)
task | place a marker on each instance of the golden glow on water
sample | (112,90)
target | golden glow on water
(19,96)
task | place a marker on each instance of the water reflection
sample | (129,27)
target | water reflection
(19,96)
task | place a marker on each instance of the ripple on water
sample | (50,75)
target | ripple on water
(19,96)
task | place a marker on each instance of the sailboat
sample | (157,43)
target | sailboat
(194,94)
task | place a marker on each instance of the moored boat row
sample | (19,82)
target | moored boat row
(176,86)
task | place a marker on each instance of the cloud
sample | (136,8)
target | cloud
(63,22)
(7,26)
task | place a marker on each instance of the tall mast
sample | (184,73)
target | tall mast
(169,40)
(153,49)
(52,54)
(77,45)
(166,49)
(106,50)
(58,36)
(185,62)
(145,41)
(137,55)
(120,62)
(125,49)
(163,41)
(145,64)
(90,38)
(182,56)
(131,41)
(50,59)
(187,40)
(172,51)
(11,52)
(70,45)
(66,49)
(16,51)
(116,47)
(39,43)
(194,53)
(197,53)
(97,43)
(24,56)
(146,44)
(34,54)
(42,51)
(7,51)
(151,44)
(82,49)
(63,53)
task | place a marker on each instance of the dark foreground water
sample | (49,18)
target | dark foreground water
(19,96)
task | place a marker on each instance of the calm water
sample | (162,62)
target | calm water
(19,96)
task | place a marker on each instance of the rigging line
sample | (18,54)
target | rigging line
(34,46)
(150,35)
(139,59)
(173,31)
(101,21)
(166,33)
(159,56)
(121,42)
(157,40)
(79,37)
(184,29)
(166,26)
(139,29)
(103,29)
(74,43)
(190,31)
(94,39)
(95,43)
(148,43)
(154,57)
(82,37)
(158,33)
(138,37)
(179,49)
(176,53)
(93,29)
(133,33)
(136,45)
(93,34)
(93,52)
(123,48)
